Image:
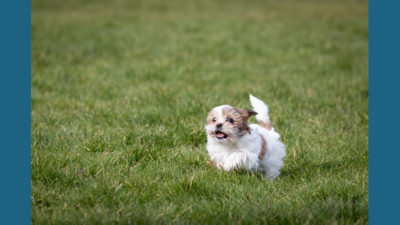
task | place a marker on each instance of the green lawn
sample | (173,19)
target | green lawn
(121,90)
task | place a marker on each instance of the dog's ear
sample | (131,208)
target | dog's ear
(246,113)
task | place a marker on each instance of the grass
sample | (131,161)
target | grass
(121,90)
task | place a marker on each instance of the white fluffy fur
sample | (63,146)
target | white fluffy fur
(243,152)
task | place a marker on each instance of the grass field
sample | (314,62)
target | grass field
(121,90)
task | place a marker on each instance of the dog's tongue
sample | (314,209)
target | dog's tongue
(220,134)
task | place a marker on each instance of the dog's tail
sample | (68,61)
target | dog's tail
(262,112)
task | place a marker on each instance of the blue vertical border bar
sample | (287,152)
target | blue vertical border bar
(384,111)
(15,112)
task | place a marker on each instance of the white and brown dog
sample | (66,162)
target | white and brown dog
(234,144)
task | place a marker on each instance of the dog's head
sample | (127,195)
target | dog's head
(226,123)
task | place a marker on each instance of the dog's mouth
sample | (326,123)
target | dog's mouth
(220,135)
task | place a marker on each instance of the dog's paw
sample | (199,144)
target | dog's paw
(212,163)
(228,166)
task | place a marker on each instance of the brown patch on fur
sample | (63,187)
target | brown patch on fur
(247,113)
(232,113)
(240,117)
(209,120)
(263,148)
(266,125)
(210,116)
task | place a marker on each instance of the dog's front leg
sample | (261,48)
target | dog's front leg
(239,160)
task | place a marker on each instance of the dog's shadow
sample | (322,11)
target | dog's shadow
(306,169)
(258,175)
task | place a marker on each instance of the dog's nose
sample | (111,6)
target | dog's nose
(219,125)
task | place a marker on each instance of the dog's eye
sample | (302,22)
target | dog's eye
(213,119)
(230,120)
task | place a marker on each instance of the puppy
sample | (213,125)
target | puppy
(233,143)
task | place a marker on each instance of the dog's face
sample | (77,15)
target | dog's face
(226,123)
